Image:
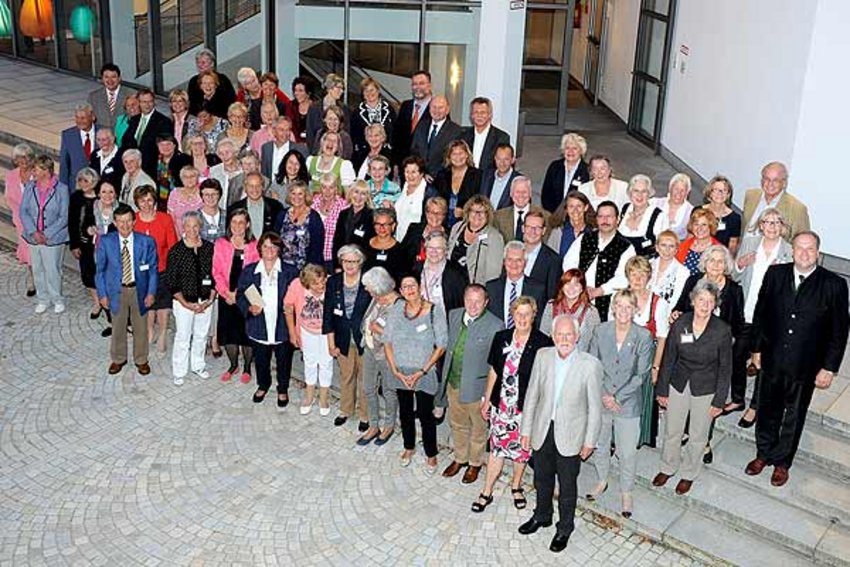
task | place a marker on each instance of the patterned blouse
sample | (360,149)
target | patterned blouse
(295,240)
(329,220)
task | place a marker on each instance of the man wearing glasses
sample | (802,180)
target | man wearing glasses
(774,182)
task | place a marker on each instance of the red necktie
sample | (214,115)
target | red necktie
(415,120)
(87,146)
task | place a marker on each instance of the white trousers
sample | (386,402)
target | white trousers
(318,363)
(190,339)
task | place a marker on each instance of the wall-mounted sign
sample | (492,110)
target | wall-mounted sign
(517,4)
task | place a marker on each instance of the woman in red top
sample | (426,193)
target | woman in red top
(160,227)
(702,226)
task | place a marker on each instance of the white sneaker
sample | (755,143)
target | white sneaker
(325,412)
(306,409)
(59,308)
(178,381)
(40,308)
(202,374)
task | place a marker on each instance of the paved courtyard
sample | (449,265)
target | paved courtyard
(128,470)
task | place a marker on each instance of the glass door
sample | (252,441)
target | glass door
(545,65)
(595,40)
(652,57)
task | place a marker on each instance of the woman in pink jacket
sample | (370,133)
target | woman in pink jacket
(22,157)
(236,249)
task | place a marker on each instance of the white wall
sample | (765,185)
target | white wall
(735,107)
(619,55)
(820,150)
(578,51)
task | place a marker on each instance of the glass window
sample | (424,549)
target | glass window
(540,96)
(36,33)
(7,26)
(79,36)
(545,34)
(228,13)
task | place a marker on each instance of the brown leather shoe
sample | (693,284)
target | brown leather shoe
(660,479)
(116,367)
(755,467)
(453,469)
(471,474)
(684,486)
(144,368)
(779,476)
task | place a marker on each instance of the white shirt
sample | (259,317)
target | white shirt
(617,192)
(268,289)
(618,281)
(500,184)
(531,257)
(798,273)
(90,134)
(759,269)
(277,155)
(408,209)
(478,142)
(507,298)
(568,179)
(669,283)
(679,225)
(105,159)
(439,126)
(129,241)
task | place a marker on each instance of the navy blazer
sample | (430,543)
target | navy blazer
(488,179)
(547,270)
(334,321)
(536,341)
(72,157)
(530,287)
(109,269)
(255,325)
(434,153)
(552,194)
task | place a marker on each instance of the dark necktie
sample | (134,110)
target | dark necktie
(518,234)
(432,135)
(801,278)
(511,298)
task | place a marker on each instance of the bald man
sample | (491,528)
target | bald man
(774,193)
(431,143)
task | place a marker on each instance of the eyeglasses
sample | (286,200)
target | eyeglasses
(383,224)
(435,249)
(346,261)
(772,222)
(535,228)
(477,211)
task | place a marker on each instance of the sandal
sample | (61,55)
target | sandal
(519,503)
(478,506)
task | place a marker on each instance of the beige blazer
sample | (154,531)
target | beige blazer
(483,256)
(578,414)
(504,221)
(795,212)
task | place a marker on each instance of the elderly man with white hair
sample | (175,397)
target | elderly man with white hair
(77,145)
(513,282)
(510,220)
(773,193)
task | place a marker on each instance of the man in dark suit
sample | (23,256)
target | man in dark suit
(431,143)
(144,129)
(78,143)
(106,161)
(800,329)
(513,283)
(482,137)
(412,115)
(126,281)
(496,183)
(263,211)
(542,263)
(108,102)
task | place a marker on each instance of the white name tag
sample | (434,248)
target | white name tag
(338,312)
(380,321)
(108,169)
(422,328)
(687,338)
(721,225)
(144,267)
(212,231)
(646,243)
(462,261)
(242,256)
(300,232)
(506,350)
(482,236)
(603,260)
(381,257)
(576,183)
(206,281)
(359,232)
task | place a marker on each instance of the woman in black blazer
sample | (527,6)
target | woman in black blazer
(355,224)
(555,184)
(511,359)
(346,302)
(458,180)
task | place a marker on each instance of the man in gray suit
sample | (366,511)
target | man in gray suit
(273,151)
(108,102)
(562,417)
(471,329)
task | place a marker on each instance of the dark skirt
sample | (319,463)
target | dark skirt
(231,325)
(163,298)
(87,265)
(649,416)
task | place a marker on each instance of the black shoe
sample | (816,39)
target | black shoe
(363,426)
(282,403)
(743,423)
(94,316)
(340,420)
(708,457)
(532,526)
(259,398)
(30,293)
(107,332)
(559,543)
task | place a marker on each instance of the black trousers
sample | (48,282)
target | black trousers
(548,464)
(263,365)
(740,353)
(783,404)
(424,409)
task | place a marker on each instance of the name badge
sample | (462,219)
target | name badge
(359,232)
(422,328)
(506,349)
(462,261)
(646,243)
(144,267)
(109,169)
(482,236)
(721,225)
(338,312)
(242,256)
(381,257)
(299,232)
(380,321)
(687,338)
(206,281)
(576,183)
(212,231)
(603,260)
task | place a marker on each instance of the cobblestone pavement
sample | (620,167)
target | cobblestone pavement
(129,470)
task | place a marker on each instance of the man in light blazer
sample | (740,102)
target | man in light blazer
(127,293)
(509,221)
(471,330)
(561,420)
(773,193)
(77,145)
(108,102)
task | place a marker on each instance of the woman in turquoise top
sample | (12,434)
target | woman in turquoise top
(131,109)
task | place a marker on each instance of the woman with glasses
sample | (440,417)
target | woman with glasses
(474,244)
(383,250)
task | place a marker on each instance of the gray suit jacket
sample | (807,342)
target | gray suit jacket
(483,256)
(626,370)
(473,377)
(100,104)
(745,278)
(578,415)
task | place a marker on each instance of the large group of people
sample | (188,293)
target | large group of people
(407,251)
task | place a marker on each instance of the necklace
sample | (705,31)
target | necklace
(415,315)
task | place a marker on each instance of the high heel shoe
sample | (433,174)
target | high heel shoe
(597,491)
(708,456)
(627,505)
(258,398)
(481,504)
(745,423)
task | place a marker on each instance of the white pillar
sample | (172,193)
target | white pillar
(500,49)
